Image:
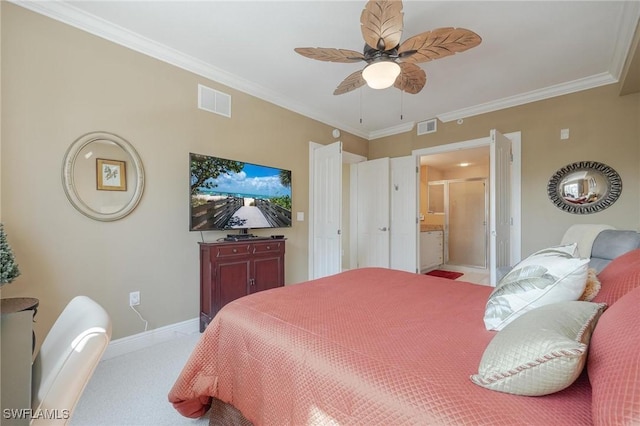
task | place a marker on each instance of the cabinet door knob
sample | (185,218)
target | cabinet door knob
(235,250)
(268,247)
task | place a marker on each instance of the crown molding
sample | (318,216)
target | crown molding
(75,17)
(533,96)
(628,21)
(390,131)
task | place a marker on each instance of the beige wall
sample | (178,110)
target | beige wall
(60,83)
(604,127)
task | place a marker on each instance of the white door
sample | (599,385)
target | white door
(500,202)
(327,210)
(373,213)
(404,228)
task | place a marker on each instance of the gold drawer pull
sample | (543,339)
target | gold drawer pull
(235,250)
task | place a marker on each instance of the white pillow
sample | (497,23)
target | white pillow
(547,276)
(542,352)
(571,249)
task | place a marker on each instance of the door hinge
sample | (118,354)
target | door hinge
(339,232)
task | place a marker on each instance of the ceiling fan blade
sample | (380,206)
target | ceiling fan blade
(437,44)
(330,54)
(352,82)
(381,24)
(412,78)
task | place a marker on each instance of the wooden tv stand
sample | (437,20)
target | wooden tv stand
(232,269)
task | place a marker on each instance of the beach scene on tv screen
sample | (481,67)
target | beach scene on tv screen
(227,194)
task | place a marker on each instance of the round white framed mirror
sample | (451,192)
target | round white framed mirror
(584,187)
(102,176)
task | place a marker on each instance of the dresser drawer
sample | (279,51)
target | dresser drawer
(267,247)
(232,250)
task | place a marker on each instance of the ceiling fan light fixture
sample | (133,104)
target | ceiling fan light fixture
(381,74)
(390,61)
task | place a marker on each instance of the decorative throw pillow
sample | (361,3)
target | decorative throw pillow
(541,352)
(570,249)
(593,286)
(547,276)
(614,364)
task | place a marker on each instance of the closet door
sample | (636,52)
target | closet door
(373,213)
(404,228)
(327,210)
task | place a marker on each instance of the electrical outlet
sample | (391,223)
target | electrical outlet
(134,298)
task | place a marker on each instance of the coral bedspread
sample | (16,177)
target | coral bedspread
(368,346)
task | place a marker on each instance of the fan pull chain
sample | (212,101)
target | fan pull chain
(401,105)
(361,105)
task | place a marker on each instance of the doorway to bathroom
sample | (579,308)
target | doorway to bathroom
(503,185)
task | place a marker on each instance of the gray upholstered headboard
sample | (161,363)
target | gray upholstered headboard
(610,244)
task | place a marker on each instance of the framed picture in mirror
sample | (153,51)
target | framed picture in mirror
(112,175)
(103,176)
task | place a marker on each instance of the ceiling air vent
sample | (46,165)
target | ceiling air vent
(427,126)
(214,101)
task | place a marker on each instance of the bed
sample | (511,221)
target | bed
(380,346)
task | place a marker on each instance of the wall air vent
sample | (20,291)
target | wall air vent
(214,101)
(427,126)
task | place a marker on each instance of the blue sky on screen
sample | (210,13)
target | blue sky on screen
(253,180)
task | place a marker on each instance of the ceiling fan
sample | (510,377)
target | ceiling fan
(390,62)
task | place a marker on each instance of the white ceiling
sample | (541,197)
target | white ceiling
(531,50)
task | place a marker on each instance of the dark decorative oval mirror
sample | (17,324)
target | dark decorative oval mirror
(102,176)
(584,187)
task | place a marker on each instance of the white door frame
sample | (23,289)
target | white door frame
(515,137)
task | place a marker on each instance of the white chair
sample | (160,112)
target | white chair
(584,235)
(67,359)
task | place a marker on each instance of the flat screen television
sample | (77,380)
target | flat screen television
(229,194)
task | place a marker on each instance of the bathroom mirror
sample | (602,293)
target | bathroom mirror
(102,176)
(584,187)
(436,198)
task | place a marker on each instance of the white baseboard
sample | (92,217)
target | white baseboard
(149,338)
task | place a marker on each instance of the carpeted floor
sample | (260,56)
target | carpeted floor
(452,275)
(132,389)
